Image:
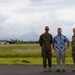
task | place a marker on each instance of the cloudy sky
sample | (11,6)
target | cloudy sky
(26,19)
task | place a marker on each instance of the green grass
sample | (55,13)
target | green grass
(20,50)
(16,53)
(30,61)
(25,50)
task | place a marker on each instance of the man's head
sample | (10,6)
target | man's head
(46,29)
(59,30)
(74,30)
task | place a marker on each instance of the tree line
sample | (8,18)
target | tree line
(11,41)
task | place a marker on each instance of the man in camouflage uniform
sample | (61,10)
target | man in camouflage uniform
(73,47)
(45,41)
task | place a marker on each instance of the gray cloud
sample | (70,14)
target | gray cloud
(37,28)
(36,1)
(29,19)
(3,1)
(53,2)
(3,18)
(45,5)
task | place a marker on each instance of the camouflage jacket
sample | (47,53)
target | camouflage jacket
(45,41)
(73,40)
(73,43)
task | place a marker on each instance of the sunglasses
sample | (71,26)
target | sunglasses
(46,29)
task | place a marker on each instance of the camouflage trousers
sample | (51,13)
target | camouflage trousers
(73,57)
(47,56)
(73,53)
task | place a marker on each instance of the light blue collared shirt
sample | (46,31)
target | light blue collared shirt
(60,41)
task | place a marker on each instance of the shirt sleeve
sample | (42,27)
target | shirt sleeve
(66,39)
(54,40)
(51,39)
(40,40)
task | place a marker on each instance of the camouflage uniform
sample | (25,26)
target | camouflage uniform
(45,41)
(73,48)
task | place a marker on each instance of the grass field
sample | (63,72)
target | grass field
(26,54)
(20,50)
(30,61)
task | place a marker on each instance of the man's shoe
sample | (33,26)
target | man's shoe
(44,70)
(58,70)
(50,70)
(63,70)
(73,70)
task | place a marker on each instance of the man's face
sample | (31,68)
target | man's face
(59,31)
(46,30)
(74,30)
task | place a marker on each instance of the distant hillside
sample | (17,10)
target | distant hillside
(32,36)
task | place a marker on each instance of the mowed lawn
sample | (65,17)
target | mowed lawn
(27,54)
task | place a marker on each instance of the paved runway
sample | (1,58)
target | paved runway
(32,70)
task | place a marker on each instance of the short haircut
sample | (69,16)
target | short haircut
(59,29)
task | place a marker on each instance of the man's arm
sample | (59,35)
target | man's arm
(53,46)
(51,39)
(40,40)
(68,43)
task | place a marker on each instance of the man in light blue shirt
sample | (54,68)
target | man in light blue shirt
(59,45)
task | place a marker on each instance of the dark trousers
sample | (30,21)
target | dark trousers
(47,56)
(73,57)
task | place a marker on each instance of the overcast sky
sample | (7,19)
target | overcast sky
(26,19)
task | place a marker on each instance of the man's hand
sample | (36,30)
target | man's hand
(68,43)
